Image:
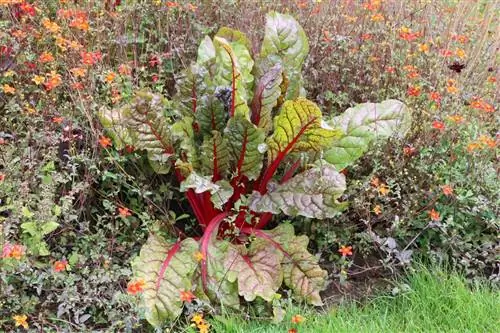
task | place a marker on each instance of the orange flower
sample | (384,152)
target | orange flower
(105,142)
(424,47)
(80,23)
(302,4)
(8,89)
(171,4)
(78,71)
(46,57)
(90,58)
(492,79)
(60,265)
(490,142)
(124,69)
(414,91)
(439,125)
(21,320)
(372,5)
(460,53)
(435,97)
(137,286)
(197,318)
(366,36)
(377,210)
(198,256)
(54,80)
(474,146)
(407,35)
(456,118)
(15,251)
(447,190)
(434,215)
(460,38)
(57,120)
(187,296)
(124,211)
(377,17)
(292,330)
(50,26)
(297,319)
(110,77)
(383,189)
(409,150)
(192,7)
(2,177)
(345,250)
(480,104)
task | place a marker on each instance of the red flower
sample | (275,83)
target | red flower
(292,330)
(2,177)
(345,250)
(57,120)
(187,296)
(439,125)
(446,53)
(409,151)
(154,61)
(155,77)
(435,97)
(60,265)
(297,319)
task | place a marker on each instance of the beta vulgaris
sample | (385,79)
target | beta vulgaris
(245,146)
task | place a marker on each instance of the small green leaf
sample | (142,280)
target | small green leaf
(48,227)
(26,212)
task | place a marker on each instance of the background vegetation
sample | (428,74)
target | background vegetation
(74,211)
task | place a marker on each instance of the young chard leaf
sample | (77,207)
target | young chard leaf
(266,96)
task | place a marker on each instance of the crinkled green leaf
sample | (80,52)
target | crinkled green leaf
(299,128)
(244,139)
(312,193)
(167,269)
(285,41)
(301,271)
(220,191)
(234,36)
(215,155)
(363,124)
(114,123)
(183,136)
(234,66)
(220,289)
(211,115)
(190,87)
(257,270)
(266,97)
(147,127)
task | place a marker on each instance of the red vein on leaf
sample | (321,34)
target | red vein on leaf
(166,262)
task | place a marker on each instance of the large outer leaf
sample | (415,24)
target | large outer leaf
(285,41)
(220,191)
(266,96)
(234,36)
(214,155)
(206,52)
(167,269)
(301,270)
(233,70)
(299,127)
(257,270)
(244,139)
(312,193)
(148,128)
(364,123)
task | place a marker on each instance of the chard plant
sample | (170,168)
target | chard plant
(245,146)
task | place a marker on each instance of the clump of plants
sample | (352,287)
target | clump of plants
(246,146)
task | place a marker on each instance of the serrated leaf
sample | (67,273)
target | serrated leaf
(244,139)
(214,155)
(299,128)
(167,269)
(266,96)
(301,271)
(257,270)
(362,125)
(312,193)
(220,191)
